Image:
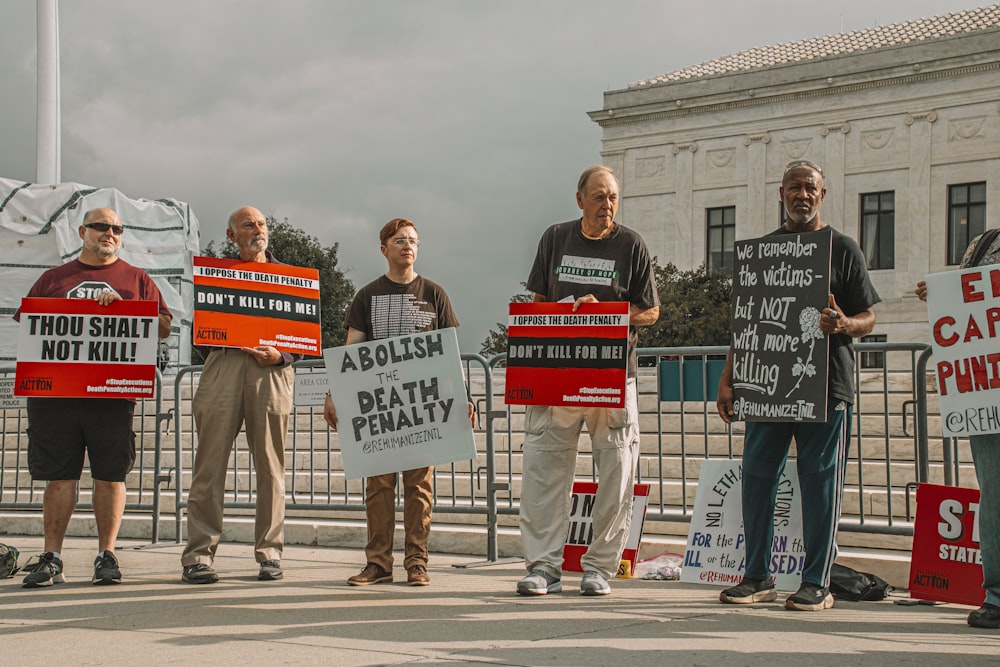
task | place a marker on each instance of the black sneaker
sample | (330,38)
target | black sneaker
(47,570)
(106,570)
(987,616)
(270,570)
(810,597)
(749,591)
(199,573)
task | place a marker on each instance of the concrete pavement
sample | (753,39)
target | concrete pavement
(467,616)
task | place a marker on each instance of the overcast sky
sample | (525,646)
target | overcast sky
(469,117)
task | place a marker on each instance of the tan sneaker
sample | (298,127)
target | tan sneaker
(416,575)
(371,574)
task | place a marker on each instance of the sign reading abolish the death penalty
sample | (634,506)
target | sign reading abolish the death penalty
(246,304)
(401,403)
(781,283)
(558,357)
(77,348)
(716,543)
(963,309)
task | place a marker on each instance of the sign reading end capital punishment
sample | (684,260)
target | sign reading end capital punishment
(401,403)
(249,304)
(558,357)
(963,309)
(77,348)
(781,283)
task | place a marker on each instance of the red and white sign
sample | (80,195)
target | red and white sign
(946,564)
(77,348)
(558,357)
(581,528)
(246,304)
(963,309)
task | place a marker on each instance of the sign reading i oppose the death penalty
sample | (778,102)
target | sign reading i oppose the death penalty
(963,310)
(401,403)
(781,283)
(77,348)
(558,357)
(247,304)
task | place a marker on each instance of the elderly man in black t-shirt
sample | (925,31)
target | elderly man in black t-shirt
(591,259)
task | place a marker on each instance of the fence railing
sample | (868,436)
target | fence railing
(891,450)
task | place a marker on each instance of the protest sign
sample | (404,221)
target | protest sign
(78,348)
(581,528)
(558,357)
(401,403)
(963,309)
(781,283)
(945,563)
(247,304)
(716,545)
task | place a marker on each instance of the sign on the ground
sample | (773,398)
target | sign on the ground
(581,527)
(716,544)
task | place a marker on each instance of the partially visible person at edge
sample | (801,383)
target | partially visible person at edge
(61,430)
(251,386)
(986,457)
(398,303)
(619,268)
(822,446)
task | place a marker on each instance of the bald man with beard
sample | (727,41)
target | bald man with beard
(251,385)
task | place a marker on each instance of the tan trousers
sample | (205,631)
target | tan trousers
(234,390)
(380,509)
(551,439)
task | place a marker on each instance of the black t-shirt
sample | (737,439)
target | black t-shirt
(854,292)
(384,309)
(614,268)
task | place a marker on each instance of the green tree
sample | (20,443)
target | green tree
(694,308)
(294,246)
(496,341)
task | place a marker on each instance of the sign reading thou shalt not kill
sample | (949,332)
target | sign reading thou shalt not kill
(781,283)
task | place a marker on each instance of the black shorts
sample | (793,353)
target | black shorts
(60,430)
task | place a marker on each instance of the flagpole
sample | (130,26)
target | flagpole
(48,148)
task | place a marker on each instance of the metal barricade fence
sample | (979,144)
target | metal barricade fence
(890,450)
(314,472)
(143,484)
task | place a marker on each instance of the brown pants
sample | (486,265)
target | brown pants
(380,509)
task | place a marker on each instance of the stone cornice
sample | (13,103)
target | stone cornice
(611,117)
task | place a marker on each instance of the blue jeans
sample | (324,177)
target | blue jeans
(986,455)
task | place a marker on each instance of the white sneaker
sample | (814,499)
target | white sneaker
(539,582)
(594,584)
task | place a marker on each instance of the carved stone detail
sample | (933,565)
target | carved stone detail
(690,146)
(763,137)
(649,167)
(929,116)
(876,140)
(843,128)
(961,129)
(721,157)
(796,148)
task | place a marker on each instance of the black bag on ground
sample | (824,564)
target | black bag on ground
(849,584)
(8,561)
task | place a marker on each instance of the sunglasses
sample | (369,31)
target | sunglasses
(103,227)
(795,164)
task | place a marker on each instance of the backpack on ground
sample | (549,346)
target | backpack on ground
(8,561)
(848,584)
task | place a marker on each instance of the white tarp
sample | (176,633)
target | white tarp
(39,229)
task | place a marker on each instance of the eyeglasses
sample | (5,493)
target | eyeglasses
(795,164)
(102,227)
(402,243)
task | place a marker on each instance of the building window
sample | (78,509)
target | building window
(878,222)
(873,359)
(721,237)
(966,217)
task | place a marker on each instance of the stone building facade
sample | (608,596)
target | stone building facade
(904,119)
